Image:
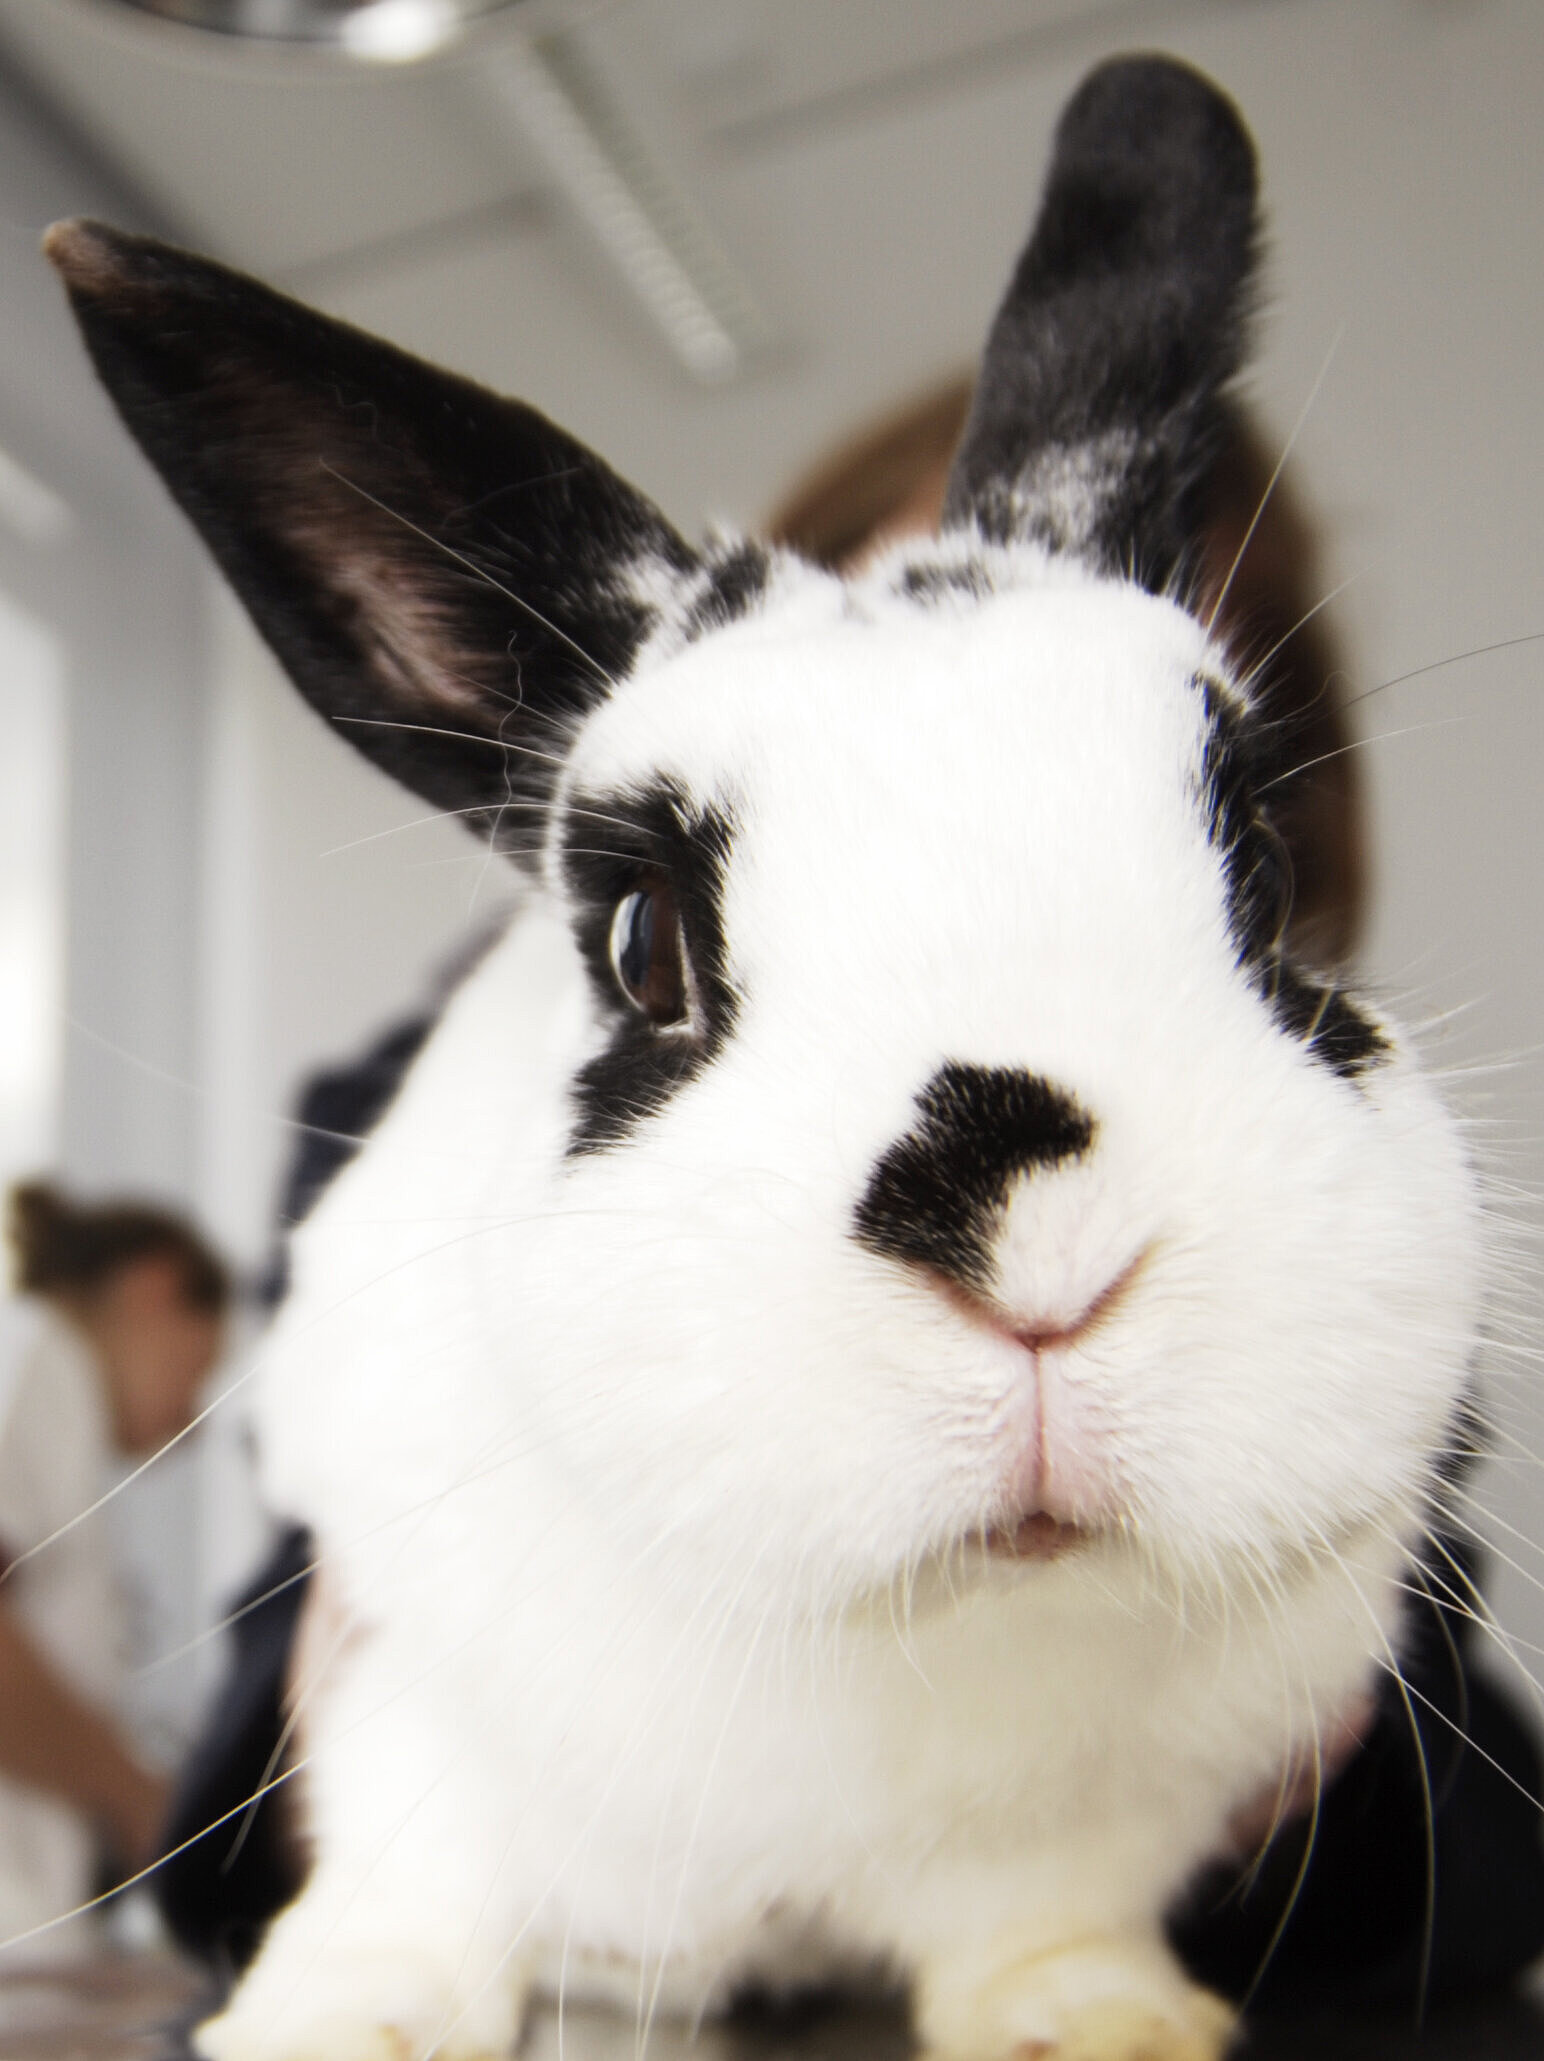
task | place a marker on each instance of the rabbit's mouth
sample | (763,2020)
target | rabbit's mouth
(1039,1536)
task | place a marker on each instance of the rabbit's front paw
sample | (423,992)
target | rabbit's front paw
(1089,1999)
(381,2007)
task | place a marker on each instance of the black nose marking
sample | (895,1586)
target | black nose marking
(937,1196)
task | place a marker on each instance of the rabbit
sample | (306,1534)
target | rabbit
(878,1380)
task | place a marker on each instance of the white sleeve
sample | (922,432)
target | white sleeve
(49,1453)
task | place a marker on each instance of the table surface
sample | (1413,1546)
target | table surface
(139,2007)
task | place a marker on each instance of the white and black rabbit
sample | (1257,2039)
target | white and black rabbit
(880,1375)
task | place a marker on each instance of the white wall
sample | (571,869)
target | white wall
(108,656)
(115,582)
(332,902)
(34,773)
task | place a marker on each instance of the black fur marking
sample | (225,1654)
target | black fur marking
(1098,414)
(613,843)
(736,582)
(1236,765)
(445,574)
(932,583)
(1328,1022)
(937,1197)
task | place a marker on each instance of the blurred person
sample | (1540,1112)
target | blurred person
(117,1316)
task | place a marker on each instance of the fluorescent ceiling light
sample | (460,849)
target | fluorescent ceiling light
(645,222)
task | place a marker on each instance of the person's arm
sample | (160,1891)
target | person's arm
(53,1740)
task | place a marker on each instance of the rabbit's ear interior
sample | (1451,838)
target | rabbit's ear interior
(447,576)
(1097,413)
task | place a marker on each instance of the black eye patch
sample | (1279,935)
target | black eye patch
(647,860)
(1235,774)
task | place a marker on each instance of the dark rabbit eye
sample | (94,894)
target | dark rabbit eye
(646,954)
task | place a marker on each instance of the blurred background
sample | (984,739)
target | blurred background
(712,237)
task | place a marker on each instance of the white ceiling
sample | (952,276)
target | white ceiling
(291,159)
(400,198)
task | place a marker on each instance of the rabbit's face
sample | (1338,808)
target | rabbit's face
(951,1158)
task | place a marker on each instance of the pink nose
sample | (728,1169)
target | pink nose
(1048,1336)
(1050,1333)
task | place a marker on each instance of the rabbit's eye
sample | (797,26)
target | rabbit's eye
(646,954)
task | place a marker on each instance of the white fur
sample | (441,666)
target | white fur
(652,1501)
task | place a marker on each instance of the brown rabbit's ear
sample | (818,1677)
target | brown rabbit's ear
(447,576)
(1096,419)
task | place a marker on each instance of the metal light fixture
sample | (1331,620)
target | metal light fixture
(386,30)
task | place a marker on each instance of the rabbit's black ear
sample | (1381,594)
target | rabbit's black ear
(1097,414)
(446,575)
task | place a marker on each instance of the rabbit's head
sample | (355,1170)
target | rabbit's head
(922,1138)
